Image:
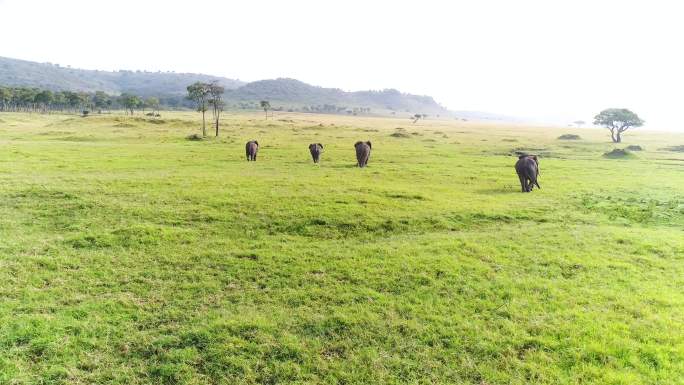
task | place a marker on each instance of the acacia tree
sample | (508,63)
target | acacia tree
(617,121)
(199,93)
(5,97)
(266,105)
(130,102)
(216,102)
(416,117)
(43,99)
(101,101)
(152,103)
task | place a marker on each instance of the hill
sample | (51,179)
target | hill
(292,92)
(22,73)
(171,88)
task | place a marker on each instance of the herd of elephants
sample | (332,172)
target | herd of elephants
(527,166)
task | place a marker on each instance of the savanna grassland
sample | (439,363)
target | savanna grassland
(131,255)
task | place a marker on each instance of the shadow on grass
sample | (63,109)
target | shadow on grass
(350,165)
(501,190)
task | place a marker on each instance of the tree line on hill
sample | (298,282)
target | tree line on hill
(30,99)
(34,99)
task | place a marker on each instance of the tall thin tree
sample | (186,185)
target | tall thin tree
(266,105)
(199,93)
(216,102)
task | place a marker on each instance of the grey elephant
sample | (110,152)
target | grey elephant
(363,150)
(251,149)
(527,168)
(316,149)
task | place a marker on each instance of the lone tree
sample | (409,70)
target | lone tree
(199,93)
(416,117)
(130,102)
(216,102)
(266,106)
(617,121)
(152,103)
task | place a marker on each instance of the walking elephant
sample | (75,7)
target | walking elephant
(527,168)
(363,150)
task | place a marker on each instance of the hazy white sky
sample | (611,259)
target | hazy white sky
(561,60)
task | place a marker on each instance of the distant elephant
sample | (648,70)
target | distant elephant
(527,168)
(316,149)
(363,150)
(251,149)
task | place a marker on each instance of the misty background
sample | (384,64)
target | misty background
(544,61)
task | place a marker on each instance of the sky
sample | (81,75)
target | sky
(552,60)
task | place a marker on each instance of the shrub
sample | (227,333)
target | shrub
(618,153)
(674,148)
(634,147)
(400,134)
(569,137)
(194,137)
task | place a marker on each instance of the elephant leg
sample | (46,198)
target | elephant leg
(523,183)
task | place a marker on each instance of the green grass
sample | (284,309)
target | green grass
(131,255)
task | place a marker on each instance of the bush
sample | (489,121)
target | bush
(194,137)
(85,113)
(400,134)
(674,148)
(618,153)
(634,147)
(569,137)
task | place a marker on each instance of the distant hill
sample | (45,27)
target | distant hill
(24,73)
(294,93)
(484,116)
(171,89)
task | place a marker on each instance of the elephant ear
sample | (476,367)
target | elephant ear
(369,144)
(535,158)
(320,145)
(257,143)
(357,144)
(311,146)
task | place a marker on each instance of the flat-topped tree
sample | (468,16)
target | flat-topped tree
(617,121)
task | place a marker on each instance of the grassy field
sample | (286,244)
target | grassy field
(130,255)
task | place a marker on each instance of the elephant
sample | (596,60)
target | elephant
(527,168)
(251,149)
(363,150)
(316,149)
